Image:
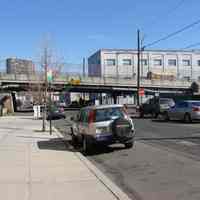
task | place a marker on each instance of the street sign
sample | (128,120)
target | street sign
(141,92)
(49,75)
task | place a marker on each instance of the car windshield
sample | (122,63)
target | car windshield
(109,113)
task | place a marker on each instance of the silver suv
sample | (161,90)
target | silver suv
(106,124)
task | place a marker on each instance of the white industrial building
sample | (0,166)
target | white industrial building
(122,63)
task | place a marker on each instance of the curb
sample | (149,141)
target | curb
(112,187)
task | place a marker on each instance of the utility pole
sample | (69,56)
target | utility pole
(50,107)
(45,90)
(83,67)
(138,66)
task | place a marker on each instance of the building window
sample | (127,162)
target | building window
(110,62)
(157,62)
(144,61)
(172,62)
(126,61)
(186,62)
(198,62)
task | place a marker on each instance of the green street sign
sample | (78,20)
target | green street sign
(49,76)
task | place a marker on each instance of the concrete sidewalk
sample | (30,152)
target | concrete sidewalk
(37,166)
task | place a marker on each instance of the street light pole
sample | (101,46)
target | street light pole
(45,90)
(138,66)
(50,107)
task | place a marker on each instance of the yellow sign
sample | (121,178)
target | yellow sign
(75,81)
(165,72)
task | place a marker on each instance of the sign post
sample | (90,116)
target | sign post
(50,79)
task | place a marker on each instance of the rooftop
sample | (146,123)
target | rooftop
(154,50)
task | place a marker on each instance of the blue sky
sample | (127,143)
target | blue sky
(80,27)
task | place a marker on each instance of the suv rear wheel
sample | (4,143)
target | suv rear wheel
(187,118)
(154,115)
(74,138)
(166,116)
(87,145)
(128,145)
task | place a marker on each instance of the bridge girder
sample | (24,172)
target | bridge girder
(10,86)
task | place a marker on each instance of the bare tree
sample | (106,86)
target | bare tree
(40,88)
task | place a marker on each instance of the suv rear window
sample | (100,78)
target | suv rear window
(169,102)
(106,114)
(195,103)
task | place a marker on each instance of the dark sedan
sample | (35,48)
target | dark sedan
(56,113)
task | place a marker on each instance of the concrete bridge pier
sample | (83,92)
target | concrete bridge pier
(114,98)
(14,102)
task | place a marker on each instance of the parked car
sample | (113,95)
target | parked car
(78,105)
(74,104)
(187,111)
(105,124)
(55,113)
(61,104)
(156,106)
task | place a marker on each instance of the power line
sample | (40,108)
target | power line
(173,34)
(176,7)
(168,13)
(192,45)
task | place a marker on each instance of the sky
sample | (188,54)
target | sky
(78,28)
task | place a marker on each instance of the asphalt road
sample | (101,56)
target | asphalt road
(163,164)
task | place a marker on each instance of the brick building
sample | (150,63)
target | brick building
(19,66)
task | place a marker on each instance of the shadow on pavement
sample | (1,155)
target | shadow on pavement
(145,117)
(25,111)
(167,138)
(29,118)
(11,128)
(174,121)
(66,144)
(56,144)
(32,137)
(101,149)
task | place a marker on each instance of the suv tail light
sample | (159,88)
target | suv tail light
(196,109)
(91,116)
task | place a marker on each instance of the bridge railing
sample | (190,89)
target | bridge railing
(87,80)
(166,83)
(127,82)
